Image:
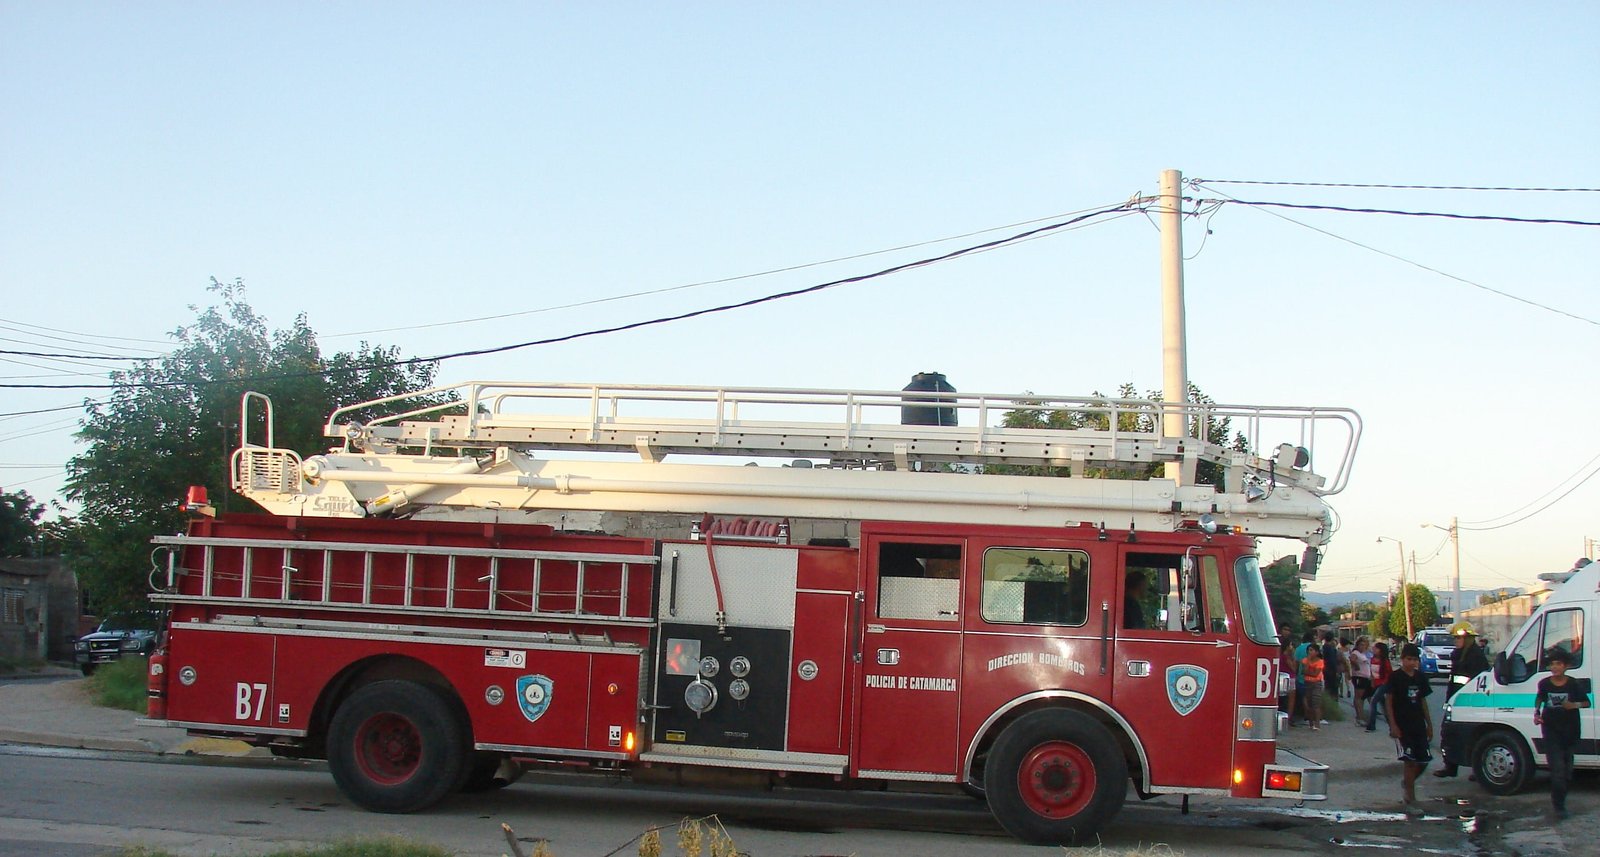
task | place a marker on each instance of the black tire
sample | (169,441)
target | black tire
(86,669)
(396,746)
(1502,762)
(1055,777)
(484,773)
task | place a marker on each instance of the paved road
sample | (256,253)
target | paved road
(75,803)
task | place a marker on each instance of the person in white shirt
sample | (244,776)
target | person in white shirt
(1361,675)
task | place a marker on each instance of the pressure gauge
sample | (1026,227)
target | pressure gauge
(709,666)
(739,689)
(739,666)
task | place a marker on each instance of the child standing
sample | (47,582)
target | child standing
(1381,670)
(1410,724)
(1312,667)
(1555,712)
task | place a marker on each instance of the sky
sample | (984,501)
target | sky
(398,167)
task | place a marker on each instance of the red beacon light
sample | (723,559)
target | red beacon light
(198,501)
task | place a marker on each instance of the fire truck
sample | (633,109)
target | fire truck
(821,587)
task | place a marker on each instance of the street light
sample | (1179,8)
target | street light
(1455,585)
(1405,593)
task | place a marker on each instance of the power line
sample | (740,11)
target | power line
(720,281)
(1449,215)
(89,335)
(478,352)
(73,356)
(1427,268)
(1400,186)
(9,414)
(1558,498)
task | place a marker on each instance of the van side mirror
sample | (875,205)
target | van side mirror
(1517,669)
(1500,669)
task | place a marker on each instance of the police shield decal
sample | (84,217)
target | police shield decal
(1186,686)
(533,695)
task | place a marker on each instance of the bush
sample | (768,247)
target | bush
(121,684)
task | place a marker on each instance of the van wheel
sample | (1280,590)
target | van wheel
(396,746)
(1054,777)
(1502,762)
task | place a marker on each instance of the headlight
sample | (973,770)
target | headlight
(80,646)
(132,644)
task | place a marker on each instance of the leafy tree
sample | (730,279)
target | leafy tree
(1424,610)
(1313,615)
(19,524)
(174,421)
(1379,626)
(1282,577)
(1131,419)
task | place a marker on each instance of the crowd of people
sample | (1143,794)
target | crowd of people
(1378,685)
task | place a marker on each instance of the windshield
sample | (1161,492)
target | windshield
(1437,640)
(138,622)
(1253,601)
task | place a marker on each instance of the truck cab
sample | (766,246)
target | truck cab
(1491,717)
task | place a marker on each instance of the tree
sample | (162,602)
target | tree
(1131,419)
(1282,577)
(1313,615)
(174,421)
(1379,626)
(1424,610)
(19,524)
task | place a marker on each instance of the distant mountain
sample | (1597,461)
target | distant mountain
(1329,600)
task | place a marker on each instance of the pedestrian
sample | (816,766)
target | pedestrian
(1346,684)
(1330,667)
(1314,669)
(1360,677)
(1555,712)
(1302,695)
(1381,670)
(1465,665)
(1410,723)
(1286,670)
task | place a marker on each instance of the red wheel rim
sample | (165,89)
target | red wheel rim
(388,748)
(1056,779)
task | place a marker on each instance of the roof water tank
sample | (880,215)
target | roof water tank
(922,410)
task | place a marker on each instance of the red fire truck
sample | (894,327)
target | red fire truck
(459,592)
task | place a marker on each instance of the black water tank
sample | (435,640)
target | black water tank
(922,415)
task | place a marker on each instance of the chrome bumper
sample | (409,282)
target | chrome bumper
(1313,777)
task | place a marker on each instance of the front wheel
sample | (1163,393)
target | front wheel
(1055,777)
(396,746)
(1502,762)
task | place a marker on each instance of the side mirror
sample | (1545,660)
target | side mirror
(1500,669)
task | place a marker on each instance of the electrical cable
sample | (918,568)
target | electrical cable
(478,352)
(719,281)
(12,414)
(1558,498)
(1445,214)
(72,356)
(4,321)
(1552,490)
(1399,186)
(37,478)
(1427,268)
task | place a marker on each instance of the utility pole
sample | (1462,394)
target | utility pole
(1174,346)
(1405,593)
(1455,576)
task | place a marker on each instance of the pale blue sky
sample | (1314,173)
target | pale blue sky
(384,165)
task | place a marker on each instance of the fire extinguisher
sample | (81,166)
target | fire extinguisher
(157,687)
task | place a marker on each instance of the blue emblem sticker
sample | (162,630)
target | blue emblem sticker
(533,695)
(1186,686)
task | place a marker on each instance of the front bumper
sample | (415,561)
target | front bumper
(1288,768)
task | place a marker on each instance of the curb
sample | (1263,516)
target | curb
(80,742)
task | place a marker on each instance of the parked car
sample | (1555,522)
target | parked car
(1438,648)
(127,634)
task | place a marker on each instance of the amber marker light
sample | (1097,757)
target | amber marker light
(1238,776)
(1249,724)
(627,742)
(612,688)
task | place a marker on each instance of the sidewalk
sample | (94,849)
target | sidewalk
(62,714)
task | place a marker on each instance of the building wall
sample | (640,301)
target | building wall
(1498,621)
(38,609)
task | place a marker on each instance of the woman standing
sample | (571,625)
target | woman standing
(1381,669)
(1360,676)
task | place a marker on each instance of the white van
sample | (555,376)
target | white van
(1489,722)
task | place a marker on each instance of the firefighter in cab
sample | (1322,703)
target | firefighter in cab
(1469,660)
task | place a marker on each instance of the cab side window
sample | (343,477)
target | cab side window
(1562,629)
(1175,599)
(919,581)
(1035,587)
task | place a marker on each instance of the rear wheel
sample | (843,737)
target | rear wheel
(1502,762)
(396,746)
(1054,777)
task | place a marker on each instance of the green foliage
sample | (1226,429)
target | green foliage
(19,524)
(1379,626)
(1137,417)
(364,847)
(1282,578)
(175,421)
(1424,610)
(1313,615)
(123,683)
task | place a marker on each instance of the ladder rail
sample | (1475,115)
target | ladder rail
(599,417)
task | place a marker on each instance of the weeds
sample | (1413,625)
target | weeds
(122,684)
